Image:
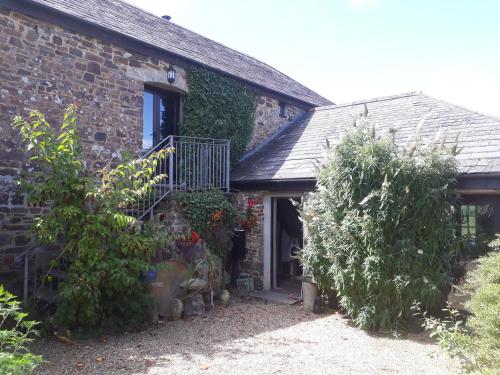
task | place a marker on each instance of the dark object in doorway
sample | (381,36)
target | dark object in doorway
(238,252)
(317,305)
(239,244)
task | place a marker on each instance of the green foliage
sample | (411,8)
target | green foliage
(212,216)
(105,247)
(477,342)
(218,107)
(381,227)
(15,335)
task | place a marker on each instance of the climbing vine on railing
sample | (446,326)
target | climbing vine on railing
(218,107)
(212,216)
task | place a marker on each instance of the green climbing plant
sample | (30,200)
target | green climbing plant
(218,107)
(212,216)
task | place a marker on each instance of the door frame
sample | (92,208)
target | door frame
(269,234)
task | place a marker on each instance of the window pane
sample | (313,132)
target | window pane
(163,118)
(147,121)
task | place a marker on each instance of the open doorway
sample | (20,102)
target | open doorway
(287,239)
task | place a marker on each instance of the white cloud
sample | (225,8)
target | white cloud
(363,4)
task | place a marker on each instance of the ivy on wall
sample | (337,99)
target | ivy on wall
(218,107)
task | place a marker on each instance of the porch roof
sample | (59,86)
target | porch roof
(135,23)
(292,153)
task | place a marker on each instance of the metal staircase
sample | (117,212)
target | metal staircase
(196,164)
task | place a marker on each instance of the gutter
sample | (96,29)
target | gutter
(467,184)
(293,184)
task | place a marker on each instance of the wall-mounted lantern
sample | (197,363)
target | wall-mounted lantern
(171,74)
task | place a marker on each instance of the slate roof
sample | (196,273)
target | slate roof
(125,19)
(292,152)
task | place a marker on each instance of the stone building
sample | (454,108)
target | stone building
(113,61)
(123,66)
(284,167)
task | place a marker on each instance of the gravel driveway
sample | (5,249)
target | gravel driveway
(248,337)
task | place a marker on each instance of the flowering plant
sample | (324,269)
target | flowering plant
(189,239)
(250,218)
(217,216)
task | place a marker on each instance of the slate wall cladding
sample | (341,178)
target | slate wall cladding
(46,67)
(255,237)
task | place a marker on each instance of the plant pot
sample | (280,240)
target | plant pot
(309,294)
(177,308)
(224,297)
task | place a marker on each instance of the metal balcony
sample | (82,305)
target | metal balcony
(196,164)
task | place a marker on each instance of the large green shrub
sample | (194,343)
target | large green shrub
(218,107)
(104,246)
(381,227)
(484,305)
(211,215)
(15,334)
(477,341)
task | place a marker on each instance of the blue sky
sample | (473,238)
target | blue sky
(358,49)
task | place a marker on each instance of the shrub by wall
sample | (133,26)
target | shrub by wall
(105,251)
(212,216)
(381,227)
(476,341)
(218,107)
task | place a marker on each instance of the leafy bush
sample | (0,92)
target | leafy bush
(15,335)
(381,227)
(476,342)
(105,247)
(211,215)
(218,107)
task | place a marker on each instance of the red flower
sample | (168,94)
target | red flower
(195,237)
(250,203)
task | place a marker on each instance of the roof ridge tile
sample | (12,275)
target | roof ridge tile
(373,100)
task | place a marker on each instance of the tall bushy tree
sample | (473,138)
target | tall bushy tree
(105,246)
(381,226)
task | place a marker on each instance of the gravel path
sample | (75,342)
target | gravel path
(248,337)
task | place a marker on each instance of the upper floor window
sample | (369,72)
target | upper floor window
(160,116)
(282,106)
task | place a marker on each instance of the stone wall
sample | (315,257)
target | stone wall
(267,119)
(254,236)
(47,67)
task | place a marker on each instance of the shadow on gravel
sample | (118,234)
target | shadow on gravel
(136,352)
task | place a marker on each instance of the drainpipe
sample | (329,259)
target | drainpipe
(228,165)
